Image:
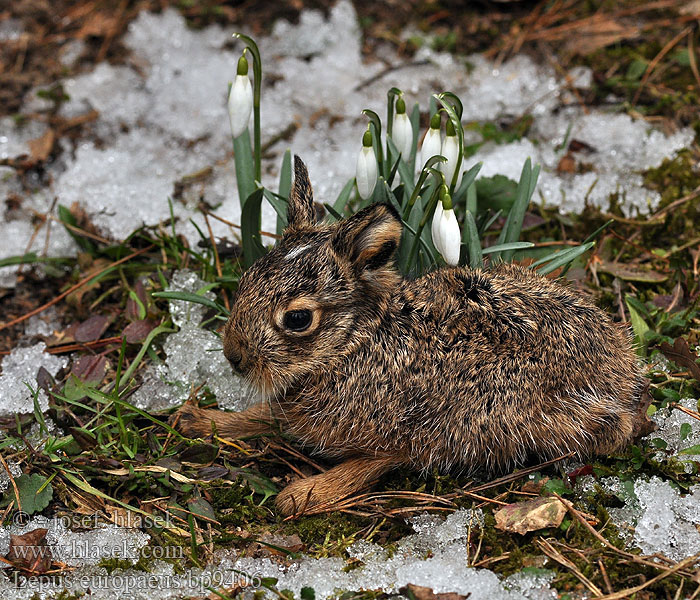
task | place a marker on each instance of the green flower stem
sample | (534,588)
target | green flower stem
(432,203)
(421,180)
(453,108)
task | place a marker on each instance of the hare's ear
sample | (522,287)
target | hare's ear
(300,210)
(370,237)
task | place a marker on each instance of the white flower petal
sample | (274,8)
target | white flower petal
(402,135)
(366,172)
(240,104)
(451,237)
(435,227)
(432,145)
(450,150)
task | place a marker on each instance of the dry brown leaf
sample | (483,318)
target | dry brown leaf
(681,354)
(631,272)
(567,164)
(420,592)
(41,147)
(90,368)
(98,24)
(531,515)
(136,332)
(598,32)
(91,329)
(30,551)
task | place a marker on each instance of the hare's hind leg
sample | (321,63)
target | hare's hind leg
(327,488)
(198,422)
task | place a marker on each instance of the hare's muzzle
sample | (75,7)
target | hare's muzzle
(233,353)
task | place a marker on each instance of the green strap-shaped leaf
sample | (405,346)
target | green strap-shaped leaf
(285,188)
(470,235)
(245,167)
(250,228)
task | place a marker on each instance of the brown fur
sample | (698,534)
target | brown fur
(459,369)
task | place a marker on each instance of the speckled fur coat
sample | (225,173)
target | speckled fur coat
(459,369)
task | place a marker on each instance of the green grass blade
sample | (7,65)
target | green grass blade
(470,236)
(280,207)
(514,221)
(562,259)
(341,204)
(285,188)
(510,246)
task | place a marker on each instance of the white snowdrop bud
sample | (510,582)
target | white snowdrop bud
(432,144)
(366,173)
(402,130)
(450,150)
(447,237)
(240,99)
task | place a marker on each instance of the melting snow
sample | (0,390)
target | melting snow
(194,358)
(167,119)
(434,556)
(20,368)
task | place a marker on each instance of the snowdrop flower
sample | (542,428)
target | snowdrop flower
(432,144)
(447,237)
(435,227)
(240,99)
(402,131)
(366,173)
(450,150)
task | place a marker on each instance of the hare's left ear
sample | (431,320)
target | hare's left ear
(370,237)
(300,209)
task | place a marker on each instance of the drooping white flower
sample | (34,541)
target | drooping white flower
(240,99)
(451,237)
(450,150)
(447,237)
(366,172)
(402,130)
(432,144)
(435,227)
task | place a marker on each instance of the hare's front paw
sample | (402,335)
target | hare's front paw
(191,421)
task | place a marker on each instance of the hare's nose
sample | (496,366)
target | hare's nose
(233,353)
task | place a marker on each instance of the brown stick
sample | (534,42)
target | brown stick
(71,289)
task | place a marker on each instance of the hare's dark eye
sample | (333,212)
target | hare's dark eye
(297,320)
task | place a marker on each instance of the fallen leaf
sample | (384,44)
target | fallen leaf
(92,329)
(580,472)
(201,508)
(212,472)
(598,32)
(567,164)
(420,592)
(30,551)
(274,544)
(136,332)
(41,147)
(531,515)
(98,24)
(90,368)
(681,354)
(534,487)
(83,438)
(631,272)
(199,454)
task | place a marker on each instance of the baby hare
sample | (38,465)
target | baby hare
(459,369)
